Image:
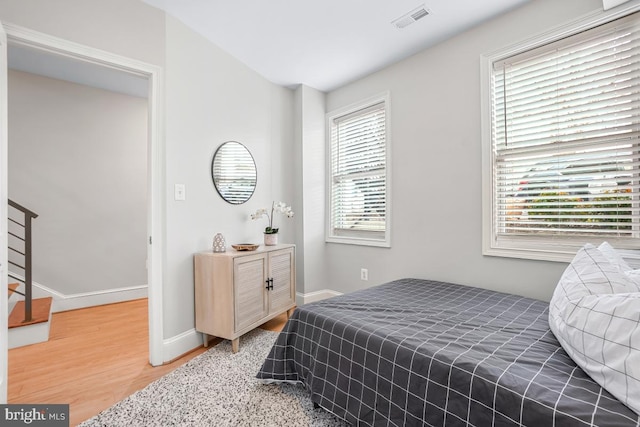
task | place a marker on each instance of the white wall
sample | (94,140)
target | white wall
(212,98)
(311,182)
(436,149)
(79,160)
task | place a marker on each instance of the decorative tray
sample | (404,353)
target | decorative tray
(245,247)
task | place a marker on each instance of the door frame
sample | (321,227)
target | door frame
(4,315)
(155,159)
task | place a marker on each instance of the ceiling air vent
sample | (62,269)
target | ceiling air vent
(410,17)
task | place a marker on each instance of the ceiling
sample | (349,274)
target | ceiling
(325,44)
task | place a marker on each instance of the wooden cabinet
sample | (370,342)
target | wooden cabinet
(236,291)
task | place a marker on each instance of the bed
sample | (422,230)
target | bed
(420,352)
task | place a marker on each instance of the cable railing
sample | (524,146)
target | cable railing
(20,250)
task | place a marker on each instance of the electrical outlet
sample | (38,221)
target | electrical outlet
(364,274)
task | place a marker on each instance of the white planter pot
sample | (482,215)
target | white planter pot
(270,239)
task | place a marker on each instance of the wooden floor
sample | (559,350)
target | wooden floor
(94,358)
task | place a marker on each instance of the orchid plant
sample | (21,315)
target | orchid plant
(280,207)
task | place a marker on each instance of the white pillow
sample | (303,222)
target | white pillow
(634,276)
(595,314)
(614,257)
(590,272)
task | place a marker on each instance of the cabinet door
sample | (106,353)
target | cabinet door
(249,290)
(281,270)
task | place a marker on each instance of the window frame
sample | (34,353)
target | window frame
(359,237)
(554,248)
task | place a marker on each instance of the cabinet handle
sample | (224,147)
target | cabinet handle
(269,284)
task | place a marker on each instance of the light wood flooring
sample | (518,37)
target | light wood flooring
(94,358)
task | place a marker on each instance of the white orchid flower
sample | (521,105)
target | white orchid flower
(280,207)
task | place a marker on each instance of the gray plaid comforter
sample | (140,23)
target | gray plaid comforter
(418,352)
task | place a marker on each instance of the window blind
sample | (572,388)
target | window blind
(566,129)
(358,173)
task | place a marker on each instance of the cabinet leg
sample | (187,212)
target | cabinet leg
(235,345)
(205,340)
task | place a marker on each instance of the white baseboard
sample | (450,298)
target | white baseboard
(63,302)
(181,344)
(302,299)
(91,299)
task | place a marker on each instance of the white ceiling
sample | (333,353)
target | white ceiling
(325,44)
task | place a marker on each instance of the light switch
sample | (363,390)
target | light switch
(180,192)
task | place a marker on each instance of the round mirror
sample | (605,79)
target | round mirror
(234,172)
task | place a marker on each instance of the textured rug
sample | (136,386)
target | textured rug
(218,388)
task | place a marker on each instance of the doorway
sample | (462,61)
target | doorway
(85,56)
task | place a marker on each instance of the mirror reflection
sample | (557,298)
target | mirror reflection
(234,172)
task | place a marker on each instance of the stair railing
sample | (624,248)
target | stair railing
(23,223)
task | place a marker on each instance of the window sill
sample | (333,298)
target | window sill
(554,253)
(537,255)
(359,241)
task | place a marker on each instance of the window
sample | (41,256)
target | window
(358,199)
(564,144)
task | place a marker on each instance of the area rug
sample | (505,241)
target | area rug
(219,388)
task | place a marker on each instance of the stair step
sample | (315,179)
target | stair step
(40,311)
(13,287)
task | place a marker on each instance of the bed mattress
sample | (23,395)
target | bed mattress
(419,352)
